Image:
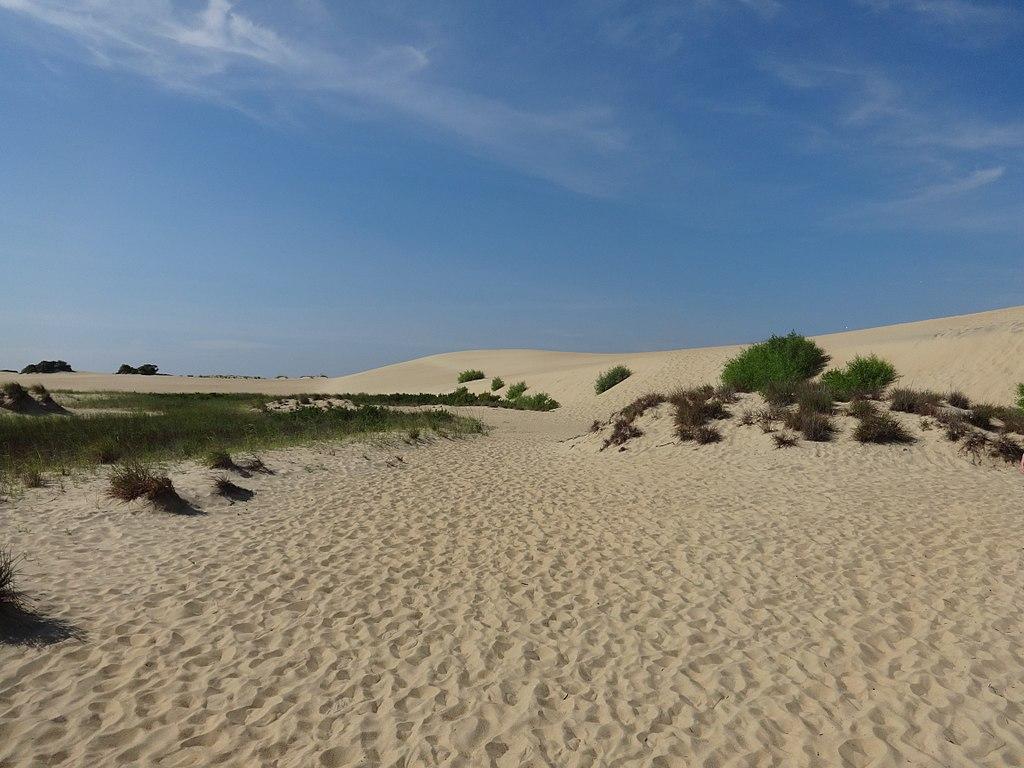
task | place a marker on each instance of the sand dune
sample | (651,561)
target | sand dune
(520,599)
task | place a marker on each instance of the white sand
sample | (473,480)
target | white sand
(520,599)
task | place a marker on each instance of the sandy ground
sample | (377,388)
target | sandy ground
(522,599)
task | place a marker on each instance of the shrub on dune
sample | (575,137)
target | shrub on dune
(219,460)
(515,390)
(694,408)
(611,377)
(861,409)
(783,440)
(862,377)
(540,401)
(707,434)
(786,359)
(958,399)
(814,398)
(622,432)
(640,406)
(1006,448)
(471,375)
(497,383)
(1020,396)
(10,598)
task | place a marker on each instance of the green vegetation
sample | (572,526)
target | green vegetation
(175,426)
(146,369)
(514,399)
(10,597)
(611,377)
(1020,396)
(471,375)
(497,383)
(48,366)
(862,377)
(516,390)
(780,359)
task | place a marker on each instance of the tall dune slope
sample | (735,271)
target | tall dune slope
(981,354)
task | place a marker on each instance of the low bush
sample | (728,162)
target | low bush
(48,366)
(497,383)
(816,427)
(146,369)
(779,393)
(471,375)
(516,390)
(747,417)
(814,398)
(788,359)
(958,399)
(1020,396)
(862,377)
(921,402)
(726,393)
(540,401)
(881,428)
(981,415)
(611,377)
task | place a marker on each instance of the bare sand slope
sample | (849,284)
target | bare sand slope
(510,601)
(982,354)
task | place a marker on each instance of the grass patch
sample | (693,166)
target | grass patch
(862,377)
(177,426)
(471,375)
(694,409)
(923,402)
(611,377)
(516,390)
(707,434)
(497,383)
(780,359)
(958,399)
(622,432)
(783,440)
(881,428)
(132,481)
(861,409)
(10,598)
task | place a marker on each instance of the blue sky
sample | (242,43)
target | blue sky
(304,186)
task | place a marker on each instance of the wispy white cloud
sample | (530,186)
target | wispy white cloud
(222,54)
(966,20)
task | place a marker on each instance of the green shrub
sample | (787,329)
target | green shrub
(861,409)
(1020,396)
(611,377)
(791,358)
(539,401)
(862,377)
(515,391)
(471,375)
(497,383)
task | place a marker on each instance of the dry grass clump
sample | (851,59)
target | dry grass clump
(223,486)
(816,427)
(784,440)
(15,397)
(622,432)
(11,600)
(596,426)
(861,409)
(255,464)
(814,398)
(922,402)
(958,399)
(638,407)
(707,434)
(1006,448)
(31,477)
(747,417)
(765,418)
(694,409)
(132,481)
(881,428)
(974,446)
(779,393)
(219,460)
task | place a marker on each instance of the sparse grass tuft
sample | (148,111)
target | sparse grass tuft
(497,383)
(132,481)
(862,409)
(783,440)
(10,598)
(611,377)
(862,377)
(765,419)
(707,434)
(219,460)
(31,477)
(981,416)
(816,427)
(958,399)
(780,359)
(920,402)
(695,408)
(622,432)
(471,375)
(779,393)
(1006,448)
(747,417)
(640,406)
(974,446)
(881,428)
(814,398)
(223,486)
